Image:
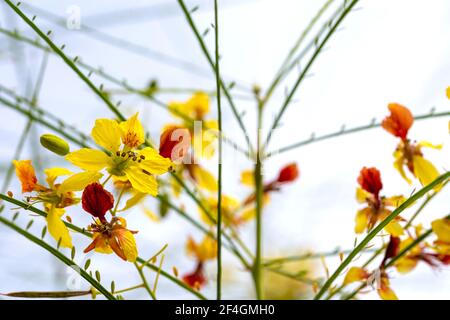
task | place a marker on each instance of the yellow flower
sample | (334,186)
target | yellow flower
(114,237)
(54,196)
(230,206)
(196,108)
(377,207)
(122,158)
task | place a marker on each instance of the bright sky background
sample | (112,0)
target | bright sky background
(386,51)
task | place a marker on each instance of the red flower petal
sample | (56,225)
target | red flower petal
(399,121)
(197,278)
(174,143)
(289,173)
(370,180)
(97,201)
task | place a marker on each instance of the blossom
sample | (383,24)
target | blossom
(54,196)
(399,121)
(122,158)
(288,173)
(202,252)
(112,236)
(377,207)
(409,154)
(378,277)
(189,112)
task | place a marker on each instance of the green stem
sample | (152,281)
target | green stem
(344,132)
(68,61)
(377,229)
(213,67)
(144,281)
(306,70)
(60,256)
(257,265)
(83,232)
(219,165)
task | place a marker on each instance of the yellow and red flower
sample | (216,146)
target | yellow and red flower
(202,252)
(123,159)
(377,207)
(112,236)
(54,196)
(409,154)
(195,108)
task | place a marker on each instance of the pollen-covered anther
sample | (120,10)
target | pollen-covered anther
(123,154)
(118,153)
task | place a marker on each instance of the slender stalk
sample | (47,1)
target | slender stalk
(281,72)
(306,70)
(82,231)
(343,132)
(219,165)
(416,196)
(59,256)
(257,265)
(144,281)
(69,62)
(206,53)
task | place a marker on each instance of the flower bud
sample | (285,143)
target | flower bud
(288,173)
(55,144)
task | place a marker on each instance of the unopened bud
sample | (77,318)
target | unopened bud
(55,144)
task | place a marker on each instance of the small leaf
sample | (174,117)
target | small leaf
(30,223)
(113,287)
(97,275)
(44,232)
(87,264)
(72,253)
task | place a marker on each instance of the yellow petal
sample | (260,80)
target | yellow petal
(127,243)
(427,144)
(386,293)
(25,173)
(362,195)
(149,213)
(355,274)
(394,229)
(398,165)
(57,228)
(361,220)
(101,244)
(248,215)
(141,181)
(405,265)
(134,200)
(394,201)
(424,170)
(89,159)
(132,132)
(198,105)
(79,181)
(207,249)
(248,178)
(441,228)
(106,133)
(154,163)
(54,173)
(447,92)
(204,179)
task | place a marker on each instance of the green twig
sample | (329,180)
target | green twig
(416,196)
(219,165)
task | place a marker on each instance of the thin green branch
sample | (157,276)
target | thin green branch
(257,264)
(97,285)
(283,70)
(144,281)
(306,69)
(68,61)
(206,53)
(219,164)
(416,196)
(83,231)
(344,131)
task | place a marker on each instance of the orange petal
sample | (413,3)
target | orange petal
(399,121)
(25,173)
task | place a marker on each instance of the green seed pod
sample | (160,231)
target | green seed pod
(55,144)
